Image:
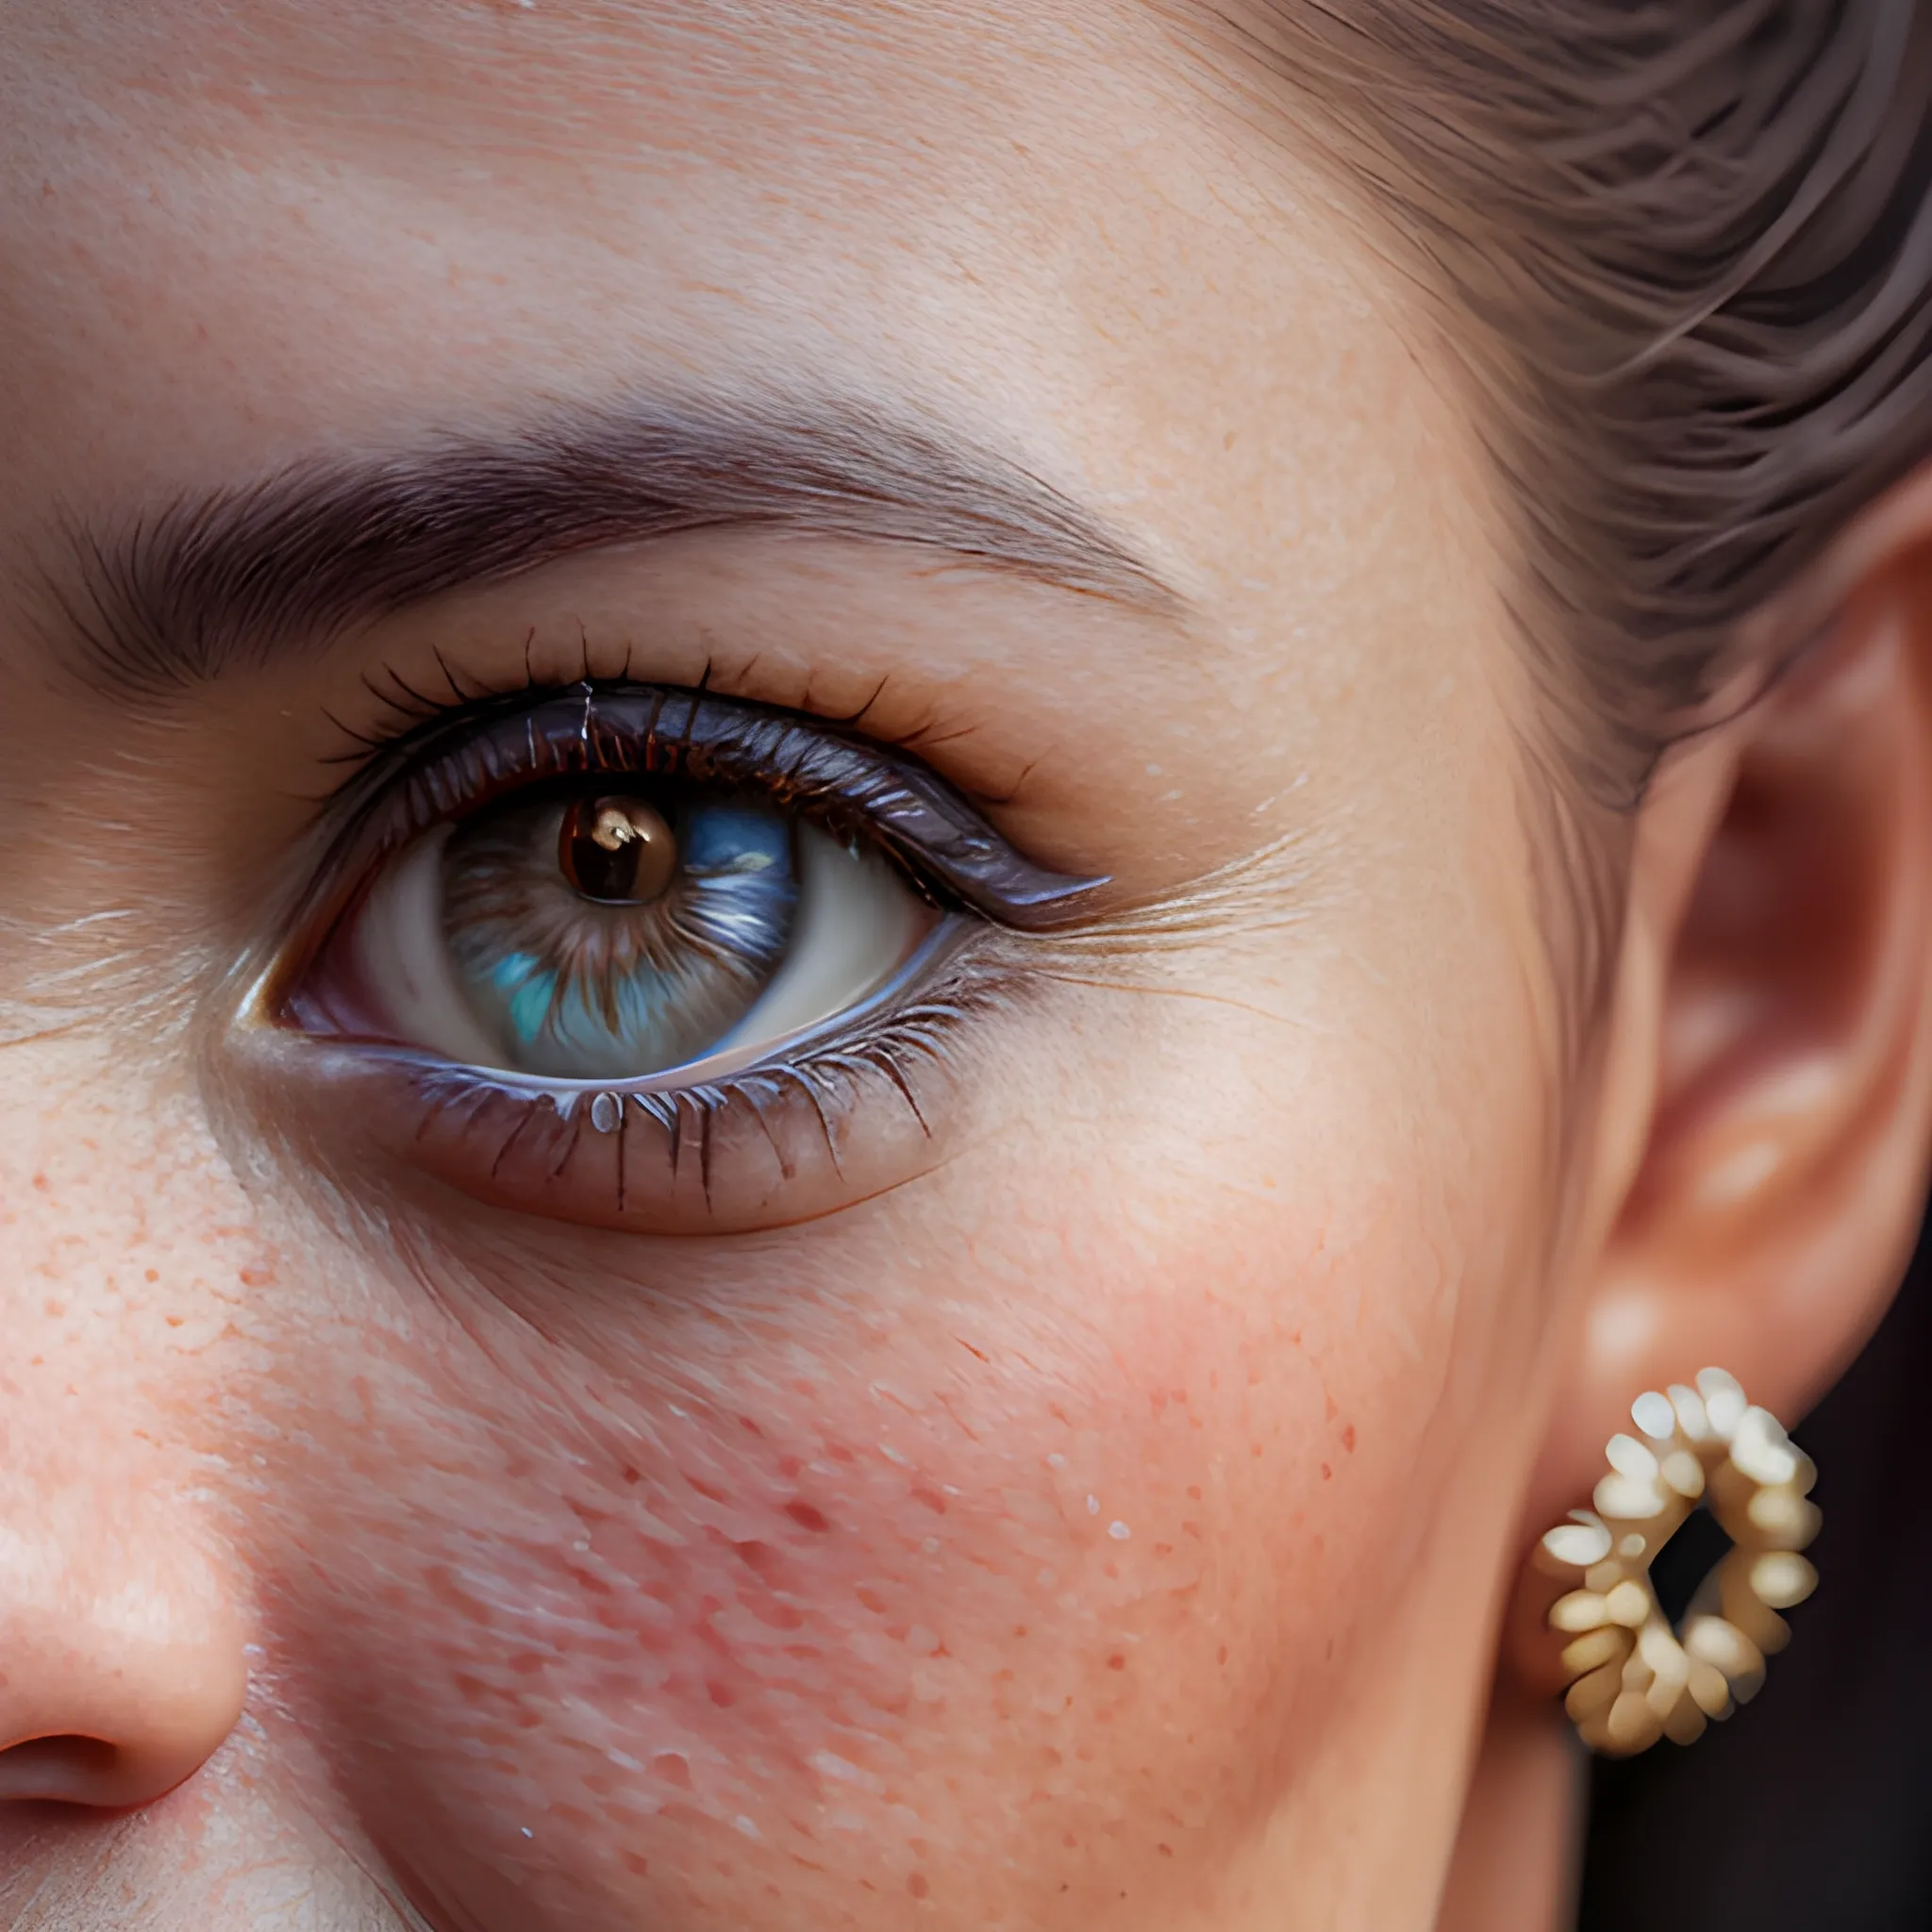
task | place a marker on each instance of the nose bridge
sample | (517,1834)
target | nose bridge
(122,1664)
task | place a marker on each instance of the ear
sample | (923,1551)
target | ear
(1767,1096)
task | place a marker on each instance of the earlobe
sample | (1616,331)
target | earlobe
(1775,1123)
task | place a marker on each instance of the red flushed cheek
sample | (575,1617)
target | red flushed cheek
(758,1608)
(869,1610)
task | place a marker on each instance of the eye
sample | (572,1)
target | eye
(590,933)
(654,960)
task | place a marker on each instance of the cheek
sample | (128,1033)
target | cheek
(840,1600)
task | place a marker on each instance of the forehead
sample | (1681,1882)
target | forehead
(531,90)
(234,236)
(670,151)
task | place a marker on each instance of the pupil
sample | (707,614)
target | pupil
(617,850)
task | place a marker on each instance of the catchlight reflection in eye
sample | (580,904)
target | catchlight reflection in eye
(616,933)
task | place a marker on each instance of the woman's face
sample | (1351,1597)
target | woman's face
(1025,1453)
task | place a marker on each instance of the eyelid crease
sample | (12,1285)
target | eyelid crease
(460,757)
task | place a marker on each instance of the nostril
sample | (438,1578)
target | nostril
(69,1770)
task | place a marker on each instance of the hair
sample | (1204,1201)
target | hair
(1686,248)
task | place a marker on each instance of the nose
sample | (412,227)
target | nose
(122,1669)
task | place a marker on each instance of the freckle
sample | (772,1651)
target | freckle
(1165,1851)
(56,1309)
(1348,1439)
(808,1518)
(1018,1629)
(1331,1411)
(1220,1655)
(1163,1549)
(673,1768)
(932,1499)
(630,1475)
(154,1274)
(1071,1842)
(721,1695)
(1116,1662)
(1327,1474)
(256,1277)
(917,1885)
(41,1181)
(176,1320)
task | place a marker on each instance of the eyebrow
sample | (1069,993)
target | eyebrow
(240,577)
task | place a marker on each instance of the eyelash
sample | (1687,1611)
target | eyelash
(851,785)
(445,762)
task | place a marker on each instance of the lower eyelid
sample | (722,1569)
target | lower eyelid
(772,1146)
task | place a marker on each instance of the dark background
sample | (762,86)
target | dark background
(1812,1807)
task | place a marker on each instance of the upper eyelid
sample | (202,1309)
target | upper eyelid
(597,726)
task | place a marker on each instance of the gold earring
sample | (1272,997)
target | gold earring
(1632,1679)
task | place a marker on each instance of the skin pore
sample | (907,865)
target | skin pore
(1083,1490)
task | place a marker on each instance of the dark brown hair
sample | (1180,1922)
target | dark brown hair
(1688,247)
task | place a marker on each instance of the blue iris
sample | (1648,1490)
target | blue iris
(583,989)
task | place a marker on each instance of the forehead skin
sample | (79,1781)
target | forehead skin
(1011,219)
(1023,1552)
